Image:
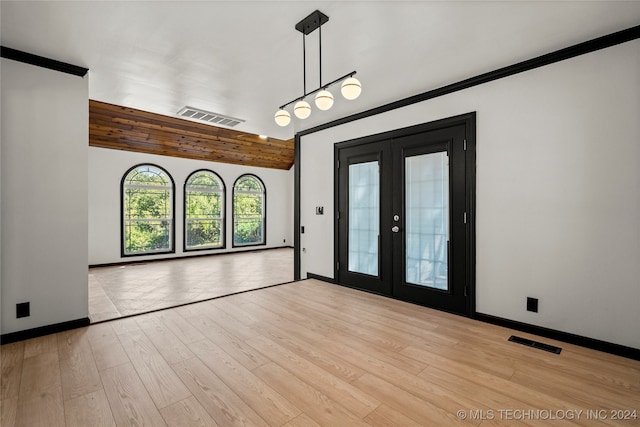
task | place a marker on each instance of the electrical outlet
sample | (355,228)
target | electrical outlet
(532,304)
(23,310)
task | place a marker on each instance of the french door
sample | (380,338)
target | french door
(403,215)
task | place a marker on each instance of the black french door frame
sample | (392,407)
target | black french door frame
(469,122)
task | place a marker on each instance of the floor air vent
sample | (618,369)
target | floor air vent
(208,117)
(535,344)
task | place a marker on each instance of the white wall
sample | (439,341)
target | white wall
(557,191)
(44,195)
(106,168)
(290,203)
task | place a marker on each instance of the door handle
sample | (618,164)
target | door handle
(395,229)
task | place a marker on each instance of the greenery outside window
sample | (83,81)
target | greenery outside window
(249,207)
(203,211)
(147,211)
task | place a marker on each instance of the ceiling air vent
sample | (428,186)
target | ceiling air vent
(208,117)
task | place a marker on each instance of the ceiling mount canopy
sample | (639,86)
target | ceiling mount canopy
(350,87)
(315,20)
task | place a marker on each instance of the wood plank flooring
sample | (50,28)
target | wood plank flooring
(309,354)
(125,290)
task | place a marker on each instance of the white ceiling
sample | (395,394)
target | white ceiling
(244,58)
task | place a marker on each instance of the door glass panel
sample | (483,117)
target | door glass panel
(427,220)
(364,222)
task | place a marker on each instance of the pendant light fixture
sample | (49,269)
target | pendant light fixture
(350,88)
(282,117)
(302,109)
(324,100)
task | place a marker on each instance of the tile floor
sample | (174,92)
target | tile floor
(119,291)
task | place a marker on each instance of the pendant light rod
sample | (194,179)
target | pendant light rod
(320,54)
(304,64)
(300,98)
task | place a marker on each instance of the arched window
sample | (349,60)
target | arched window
(147,211)
(249,208)
(203,211)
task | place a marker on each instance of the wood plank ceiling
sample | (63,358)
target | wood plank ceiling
(123,128)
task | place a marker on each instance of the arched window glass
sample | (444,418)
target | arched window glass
(249,207)
(147,211)
(203,211)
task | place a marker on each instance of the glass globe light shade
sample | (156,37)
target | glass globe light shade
(282,117)
(302,109)
(351,88)
(324,100)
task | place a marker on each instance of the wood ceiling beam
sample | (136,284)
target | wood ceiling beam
(123,128)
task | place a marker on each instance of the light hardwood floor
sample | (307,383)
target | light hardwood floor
(118,291)
(308,354)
